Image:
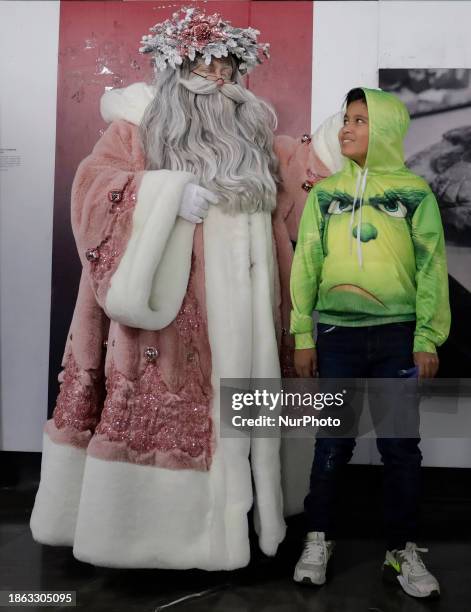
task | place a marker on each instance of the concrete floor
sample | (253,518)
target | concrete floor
(354,584)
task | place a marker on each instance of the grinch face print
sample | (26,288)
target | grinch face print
(382,226)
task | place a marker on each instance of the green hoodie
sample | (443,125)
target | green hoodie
(370,247)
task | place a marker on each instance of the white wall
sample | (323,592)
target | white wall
(352,40)
(29,36)
(345,54)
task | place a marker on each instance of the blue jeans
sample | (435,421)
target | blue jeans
(378,351)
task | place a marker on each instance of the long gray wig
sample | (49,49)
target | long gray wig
(222,134)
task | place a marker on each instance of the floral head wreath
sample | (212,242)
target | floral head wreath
(207,35)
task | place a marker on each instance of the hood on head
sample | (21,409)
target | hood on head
(388,124)
(388,121)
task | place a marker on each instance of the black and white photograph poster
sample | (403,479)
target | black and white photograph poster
(438,148)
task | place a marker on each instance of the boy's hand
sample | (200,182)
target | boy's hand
(427,364)
(305,362)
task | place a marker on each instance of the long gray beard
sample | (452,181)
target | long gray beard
(226,140)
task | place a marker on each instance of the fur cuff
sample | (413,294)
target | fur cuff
(149,285)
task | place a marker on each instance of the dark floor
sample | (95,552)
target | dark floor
(354,586)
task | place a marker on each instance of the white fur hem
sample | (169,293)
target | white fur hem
(147,289)
(57,500)
(143,516)
(239,277)
(132,516)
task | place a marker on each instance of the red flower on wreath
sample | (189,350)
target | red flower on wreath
(202,30)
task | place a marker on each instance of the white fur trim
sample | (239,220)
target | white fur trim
(141,516)
(128,103)
(147,289)
(144,516)
(239,276)
(57,500)
(265,452)
(326,143)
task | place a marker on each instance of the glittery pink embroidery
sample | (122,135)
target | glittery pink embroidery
(148,417)
(152,425)
(128,201)
(116,235)
(107,254)
(80,398)
(188,319)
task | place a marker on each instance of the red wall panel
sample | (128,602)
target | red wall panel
(285,80)
(98,48)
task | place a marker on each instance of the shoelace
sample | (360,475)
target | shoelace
(314,552)
(411,557)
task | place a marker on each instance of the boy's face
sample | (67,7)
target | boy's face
(354,134)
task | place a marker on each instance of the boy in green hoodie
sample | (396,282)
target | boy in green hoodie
(370,258)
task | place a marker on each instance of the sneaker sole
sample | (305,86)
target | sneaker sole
(390,576)
(307,581)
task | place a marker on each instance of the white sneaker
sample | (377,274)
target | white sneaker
(406,567)
(312,564)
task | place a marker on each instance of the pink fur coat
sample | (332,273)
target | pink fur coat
(134,472)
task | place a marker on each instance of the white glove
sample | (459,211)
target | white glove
(195,203)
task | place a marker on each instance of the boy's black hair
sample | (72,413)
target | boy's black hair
(355,94)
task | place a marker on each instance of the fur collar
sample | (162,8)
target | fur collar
(128,103)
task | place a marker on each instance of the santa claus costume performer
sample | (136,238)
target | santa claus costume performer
(186,258)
